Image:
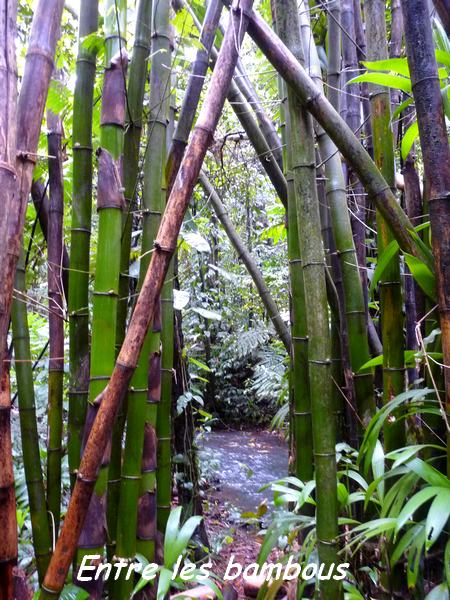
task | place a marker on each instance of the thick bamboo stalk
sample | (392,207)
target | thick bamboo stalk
(9,188)
(110,201)
(78,298)
(354,306)
(133,130)
(164,482)
(16,178)
(319,344)
(56,318)
(248,260)
(351,113)
(153,201)
(334,54)
(436,157)
(391,300)
(293,73)
(146,304)
(42,543)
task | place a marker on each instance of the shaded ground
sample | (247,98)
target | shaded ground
(237,464)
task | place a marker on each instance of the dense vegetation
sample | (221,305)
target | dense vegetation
(224,216)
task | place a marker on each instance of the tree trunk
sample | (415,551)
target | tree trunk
(436,157)
(146,304)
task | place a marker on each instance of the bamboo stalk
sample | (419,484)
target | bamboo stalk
(319,343)
(133,130)
(248,260)
(110,201)
(153,201)
(293,73)
(78,298)
(391,300)
(8,185)
(56,318)
(354,306)
(145,307)
(436,155)
(28,427)
(16,176)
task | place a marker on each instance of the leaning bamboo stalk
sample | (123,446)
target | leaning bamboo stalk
(146,304)
(248,260)
(133,129)
(153,201)
(56,318)
(319,344)
(110,201)
(354,306)
(436,157)
(391,300)
(294,74)
(78,298)
(42,543)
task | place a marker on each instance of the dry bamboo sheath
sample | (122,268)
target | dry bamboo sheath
(145,306)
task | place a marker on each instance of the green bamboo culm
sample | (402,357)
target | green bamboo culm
(142,404)
(42,540)
(110,200)
(78,298)
(164,416)
(301,432)
(391,299)
(56,319)
(319,344)
(354,305)
(137,78)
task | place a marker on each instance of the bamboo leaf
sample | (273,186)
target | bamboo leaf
(414,503)
(383,260)
(400,108)
(165,577)
(396,65)
(392,81)
(73,592)
(437,517)
(199,364)
(180,299)
(173,523)
(196,241)
(409,137)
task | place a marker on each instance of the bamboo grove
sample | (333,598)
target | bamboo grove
(106,153)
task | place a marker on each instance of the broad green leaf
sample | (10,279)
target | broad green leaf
(165,577)
(428,473)
(173,523)
(443,57)
(400,108)
(404,543)
(408,139)
(392,81)
(184,536)
(437,517)
(414,503)
(378,467)
(383,261)
(396,65)
(199,364)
